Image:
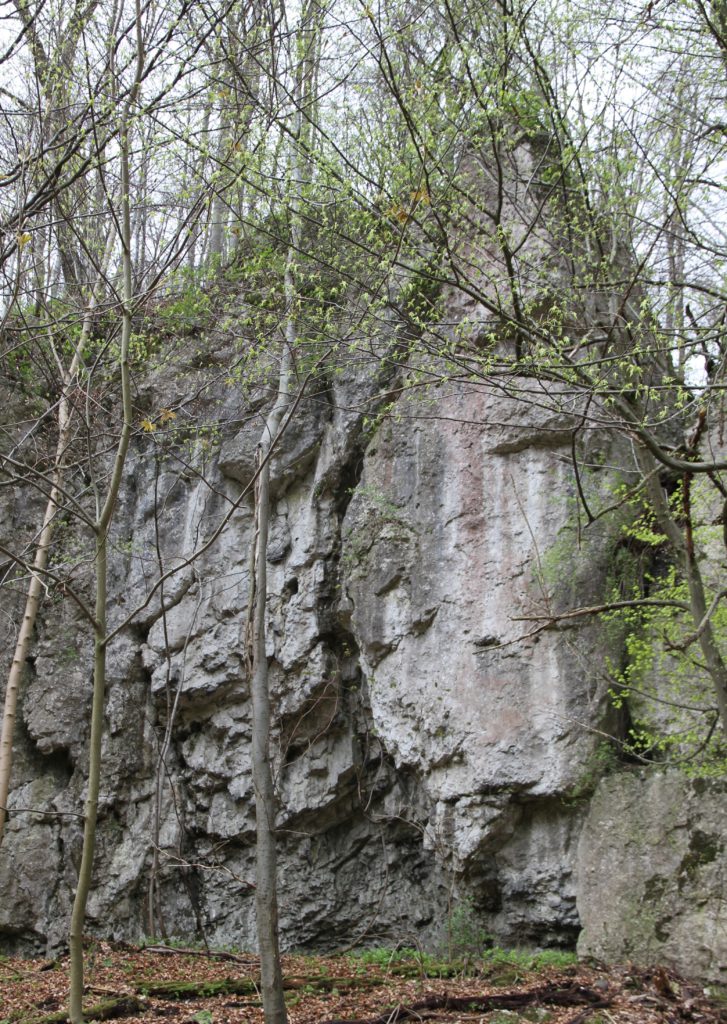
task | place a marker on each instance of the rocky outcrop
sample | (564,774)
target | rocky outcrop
(445,543)
(434,745)
(652,873)
(421,748)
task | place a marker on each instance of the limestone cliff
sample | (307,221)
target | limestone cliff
(434,748)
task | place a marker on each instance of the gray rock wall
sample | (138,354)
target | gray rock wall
(429,743)
(652,873)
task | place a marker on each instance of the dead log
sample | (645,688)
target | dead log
(553,995)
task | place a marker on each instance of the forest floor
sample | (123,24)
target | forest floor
(190,986)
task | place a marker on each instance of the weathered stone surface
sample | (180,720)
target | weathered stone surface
(442,548)
(445,542)
(652,872)
(428,737)
(293,453)
(35,904)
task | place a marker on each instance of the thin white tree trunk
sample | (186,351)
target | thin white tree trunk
(40,563)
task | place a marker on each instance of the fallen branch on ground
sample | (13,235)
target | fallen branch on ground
(211,954)
(554,995)
(109,1009)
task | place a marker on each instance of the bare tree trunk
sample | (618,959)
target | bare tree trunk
(266,896)
(218,214)
(266,891)
(40,563)
(25,633)
(78,915)
(103,522)
(196,169)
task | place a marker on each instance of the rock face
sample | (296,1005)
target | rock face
(652,872)
(442,543)
(431,742)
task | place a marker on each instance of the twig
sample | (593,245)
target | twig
(213,954)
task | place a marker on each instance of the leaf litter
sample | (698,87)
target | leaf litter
(190,986)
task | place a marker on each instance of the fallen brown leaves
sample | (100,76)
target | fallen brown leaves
(188,986)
